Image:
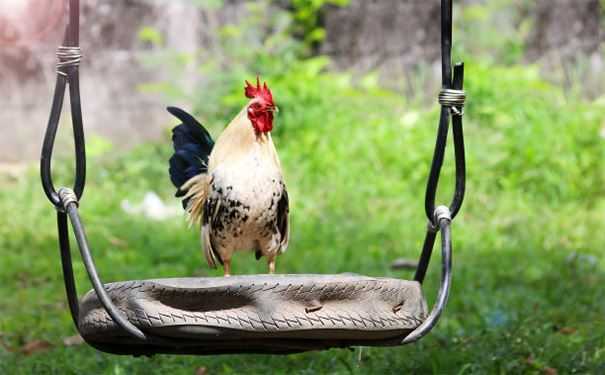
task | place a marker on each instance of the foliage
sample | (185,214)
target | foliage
(306,14)
(260,44)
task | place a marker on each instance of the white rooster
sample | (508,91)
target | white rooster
(235,186)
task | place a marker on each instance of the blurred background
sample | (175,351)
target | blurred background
(356,82)
(137,49)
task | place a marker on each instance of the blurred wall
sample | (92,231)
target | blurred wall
(389,35)
(360,36)
(566,28)
(111,73)
(395,36)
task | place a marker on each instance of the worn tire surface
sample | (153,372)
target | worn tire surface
(271,313)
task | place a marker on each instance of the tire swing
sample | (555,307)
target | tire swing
(276,314)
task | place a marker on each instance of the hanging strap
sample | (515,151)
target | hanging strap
(69,57)
(451,99)
(66,200)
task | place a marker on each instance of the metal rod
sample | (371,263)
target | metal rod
(448,83)
(49,141)
(65,200)
(425,256)
(446,43)
(446,80)
(438,156)
(70,76)
(67,265)
(112,310)
(444,288)
(459,154)
(435,215)
(78,132)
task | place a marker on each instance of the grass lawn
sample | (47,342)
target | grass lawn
(527,295)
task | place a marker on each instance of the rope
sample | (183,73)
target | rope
(68,57)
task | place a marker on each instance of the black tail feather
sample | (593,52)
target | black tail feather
(192,146)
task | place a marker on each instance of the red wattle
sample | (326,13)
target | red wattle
(262,122)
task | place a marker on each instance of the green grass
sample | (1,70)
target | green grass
(528,258)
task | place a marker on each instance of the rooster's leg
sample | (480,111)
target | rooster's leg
(272,266)
(227,267)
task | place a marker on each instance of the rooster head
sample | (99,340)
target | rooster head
(261,107)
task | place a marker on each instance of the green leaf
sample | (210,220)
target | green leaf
(150,35)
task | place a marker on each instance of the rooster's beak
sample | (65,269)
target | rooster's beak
(275,109)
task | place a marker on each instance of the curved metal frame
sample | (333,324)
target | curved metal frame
(436,220)
(66,200)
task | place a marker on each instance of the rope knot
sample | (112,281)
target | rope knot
(454,100)
(68,57)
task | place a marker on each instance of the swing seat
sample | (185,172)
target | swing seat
(275,314)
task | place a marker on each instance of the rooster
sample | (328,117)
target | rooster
(235,187)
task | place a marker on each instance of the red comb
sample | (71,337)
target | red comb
(258,91)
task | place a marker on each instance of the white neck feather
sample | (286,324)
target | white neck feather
(238,140)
